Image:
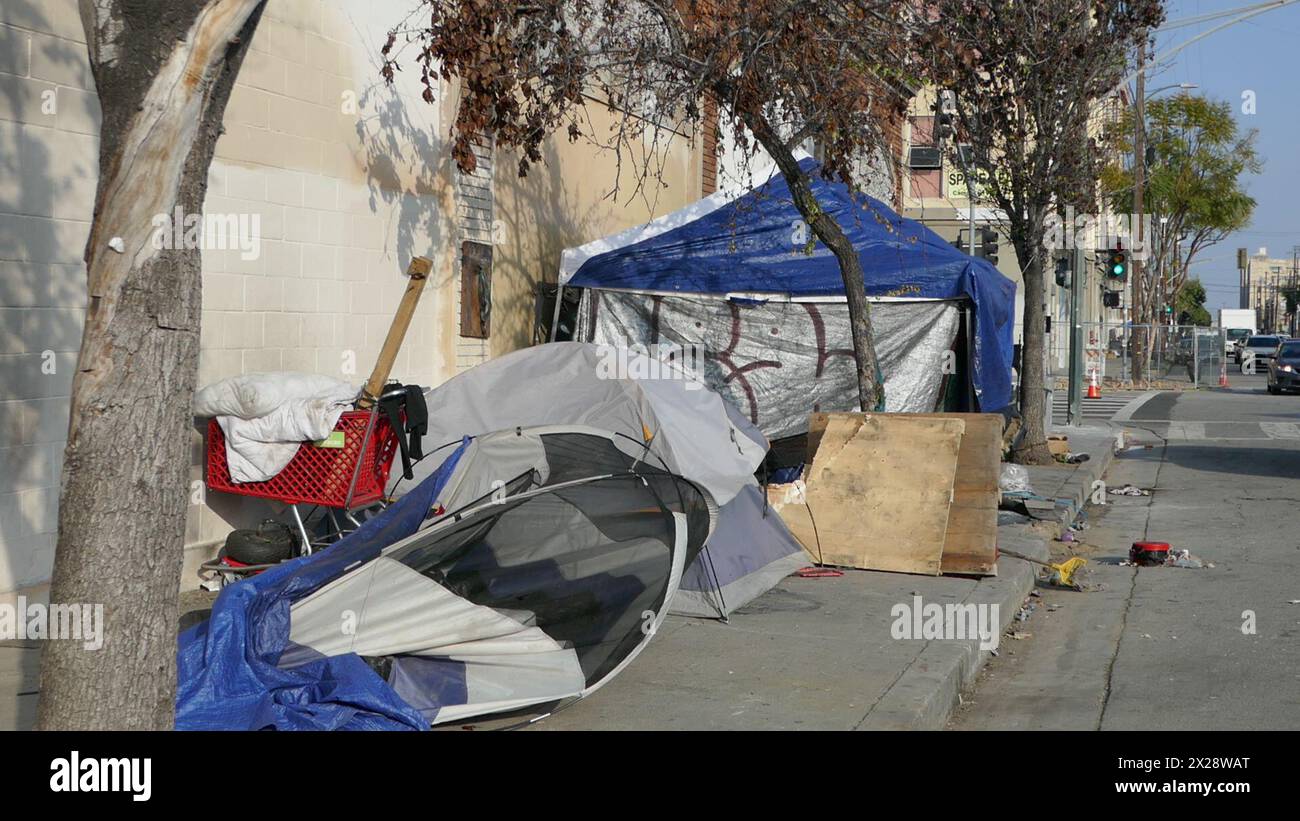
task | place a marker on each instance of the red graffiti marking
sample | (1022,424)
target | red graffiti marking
(819,328)
(737,372)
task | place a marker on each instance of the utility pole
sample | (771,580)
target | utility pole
(1075,392)
(1139,180)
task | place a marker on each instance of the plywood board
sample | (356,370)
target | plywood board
(878,492)
(970,544)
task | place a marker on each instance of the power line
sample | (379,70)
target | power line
(1244,13)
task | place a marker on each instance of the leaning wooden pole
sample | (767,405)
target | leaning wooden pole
(418,272)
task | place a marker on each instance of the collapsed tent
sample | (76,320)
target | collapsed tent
(734,277)
(528,569)
(680,424)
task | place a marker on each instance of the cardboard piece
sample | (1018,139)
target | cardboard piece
(970,539)
(1058,444)
(877,492)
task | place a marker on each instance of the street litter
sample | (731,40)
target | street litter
(1014,479)
(1062,575)
(1058,444)
(818,573)
(1183,558)
(1019,635)
(1149,554)
(1011,517)
(1159,554)
(1129,490)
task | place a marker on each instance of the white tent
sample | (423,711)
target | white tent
(670,416)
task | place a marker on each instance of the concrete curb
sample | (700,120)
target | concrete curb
(1125,413)
(927,692)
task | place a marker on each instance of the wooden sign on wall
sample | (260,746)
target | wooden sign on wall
(475,290)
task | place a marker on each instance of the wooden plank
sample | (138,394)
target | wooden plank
(970,544)
(878,492)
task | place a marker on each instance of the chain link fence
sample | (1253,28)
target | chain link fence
(1187,354)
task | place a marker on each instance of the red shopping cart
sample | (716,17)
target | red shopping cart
(342,474)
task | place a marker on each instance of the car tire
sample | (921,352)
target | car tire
(1274,389)
(270,543)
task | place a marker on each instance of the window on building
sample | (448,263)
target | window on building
(475,290)
(924,182)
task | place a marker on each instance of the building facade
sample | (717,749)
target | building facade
(326,182)
(936,193)
(1265,281)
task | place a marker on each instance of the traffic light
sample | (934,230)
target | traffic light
(1063,271)
(1117,264)
(943,119)
(988,247)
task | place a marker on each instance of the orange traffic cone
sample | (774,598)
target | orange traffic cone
(1094,390)
(1223,374)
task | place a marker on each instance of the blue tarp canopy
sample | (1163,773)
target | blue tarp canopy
(748,244)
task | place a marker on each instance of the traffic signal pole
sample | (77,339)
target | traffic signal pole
(1076,339)
(1141,312)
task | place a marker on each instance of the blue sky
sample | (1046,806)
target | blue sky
(1257,55)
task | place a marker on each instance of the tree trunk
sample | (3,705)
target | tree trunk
(1032,449)
(871,386)
(164,73)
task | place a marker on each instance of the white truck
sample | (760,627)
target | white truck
(1238,324)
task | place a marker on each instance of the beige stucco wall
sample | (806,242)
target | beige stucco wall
(49,122)
(348,179)
(568,200)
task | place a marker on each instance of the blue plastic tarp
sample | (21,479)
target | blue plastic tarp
(227,673)
(749,245)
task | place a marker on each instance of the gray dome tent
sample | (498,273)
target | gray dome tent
(527,570)
(683,427)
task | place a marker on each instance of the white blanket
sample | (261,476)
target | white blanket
(266,416)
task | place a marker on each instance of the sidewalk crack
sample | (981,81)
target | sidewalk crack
(1132,591)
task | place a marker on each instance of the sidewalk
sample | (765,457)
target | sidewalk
(818,654)
(810,654)
(19,671)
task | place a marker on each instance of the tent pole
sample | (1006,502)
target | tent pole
(717,585)
(559,300)
(970,359)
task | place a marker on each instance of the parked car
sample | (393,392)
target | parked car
(1236,338)
(1260,348)
(1284,370)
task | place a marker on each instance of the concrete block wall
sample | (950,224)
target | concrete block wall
(346,178)
(49,125)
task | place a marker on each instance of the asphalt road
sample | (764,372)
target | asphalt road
(1173,648)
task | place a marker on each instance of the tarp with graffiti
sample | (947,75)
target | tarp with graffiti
(777,361)
(744,266)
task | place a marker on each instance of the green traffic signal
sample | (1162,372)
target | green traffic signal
(1118,264)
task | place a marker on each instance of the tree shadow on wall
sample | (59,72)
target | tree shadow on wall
(42,307)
